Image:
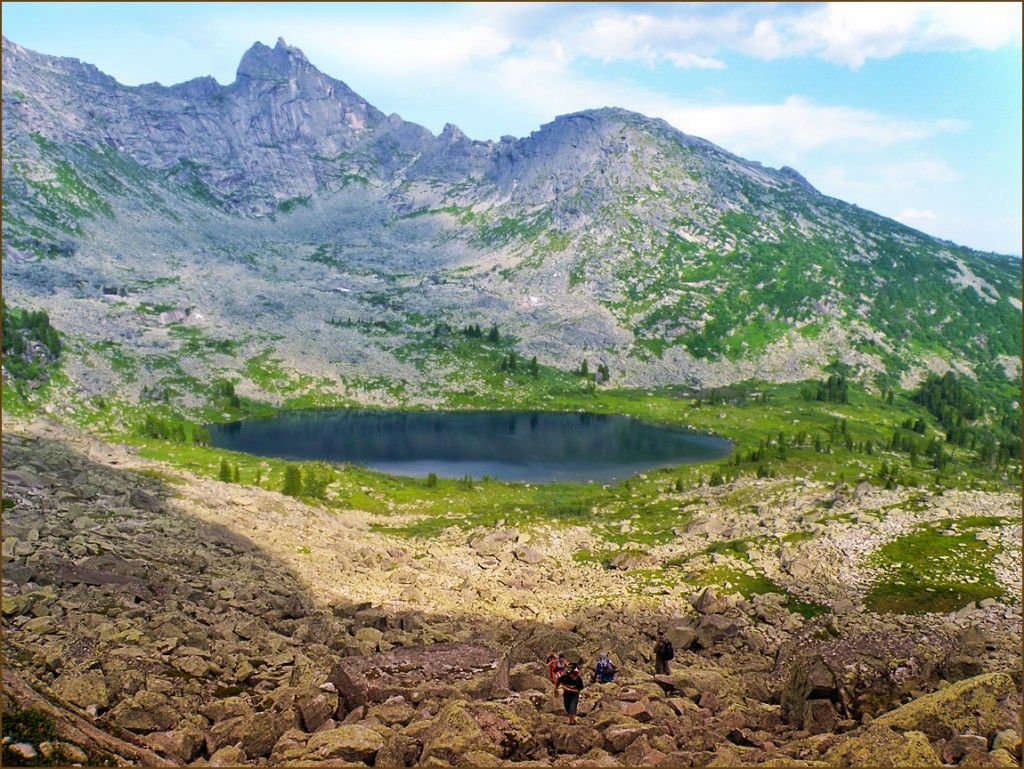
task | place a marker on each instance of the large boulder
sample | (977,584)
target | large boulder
(714,628)
(810,678)
(862,675)
(183,744)
(399,750)
(143,500)
(525,681)
(681,636)
(878,745)
(493,542)
(259,734)
(228,756)
(348,742)
(985,704)
(820,716)
(632,559)
(707,601)
(394,711)
(82,689)
(315,708)
(350,684)
(527,554)
(505,727)
(453,733)
(575,739)
(145,712)
(223,733)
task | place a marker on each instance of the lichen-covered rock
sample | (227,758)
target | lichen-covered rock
(392,712)
(348,742)
(984,704)
(259,734)
(82,689)
(398,750)
(1008,740)
(999,758)
(809,679)
(453,733)
(881,746)
(145,712)
(180,743)
(228,756)
(477,759)
(576,738)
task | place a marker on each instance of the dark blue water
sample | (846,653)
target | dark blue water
(519,446)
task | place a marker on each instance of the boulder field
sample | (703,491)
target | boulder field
(161,618)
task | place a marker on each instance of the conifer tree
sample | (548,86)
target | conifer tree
(292,485)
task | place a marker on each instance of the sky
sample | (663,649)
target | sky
(911,110)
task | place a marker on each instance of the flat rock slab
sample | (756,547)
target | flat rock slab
(429,669)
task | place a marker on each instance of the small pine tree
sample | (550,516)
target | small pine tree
(200,435)
(584,368)
(314,484)
(493,335)
(259,477)
(225,471)
(431,480)
(236,476)
(534,367)
(292,485)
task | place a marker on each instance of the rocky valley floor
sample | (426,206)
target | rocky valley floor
(165,618)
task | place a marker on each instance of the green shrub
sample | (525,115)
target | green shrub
(292,485)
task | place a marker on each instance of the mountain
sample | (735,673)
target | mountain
(283,216)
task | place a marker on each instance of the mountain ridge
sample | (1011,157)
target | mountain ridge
(603,234)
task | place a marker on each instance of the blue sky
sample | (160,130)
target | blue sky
(911,110)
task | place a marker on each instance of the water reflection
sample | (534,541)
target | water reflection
(529,446)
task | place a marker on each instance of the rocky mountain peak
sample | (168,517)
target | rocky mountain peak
(451,133)
(261,62)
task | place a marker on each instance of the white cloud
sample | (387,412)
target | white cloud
(690,60)
(797,125)
(847,34)
(851,33)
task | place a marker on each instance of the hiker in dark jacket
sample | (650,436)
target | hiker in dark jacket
(663,654)
(604,670)
(572,684)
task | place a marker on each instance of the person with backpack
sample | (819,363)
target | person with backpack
(663,654)
(604,670)
(572,684)
(556,667)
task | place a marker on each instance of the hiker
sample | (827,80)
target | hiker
(604,670)
(572,684)
(663,654)
(556,667)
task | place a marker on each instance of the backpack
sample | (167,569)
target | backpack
(665,650)
(604,667)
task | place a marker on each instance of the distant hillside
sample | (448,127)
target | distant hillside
(282,215)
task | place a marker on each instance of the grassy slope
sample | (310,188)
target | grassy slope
(794,272)
(655,502)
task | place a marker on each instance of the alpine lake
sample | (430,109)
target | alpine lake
(531,446)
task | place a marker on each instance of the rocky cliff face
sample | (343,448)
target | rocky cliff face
(275,133)
(604,234)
